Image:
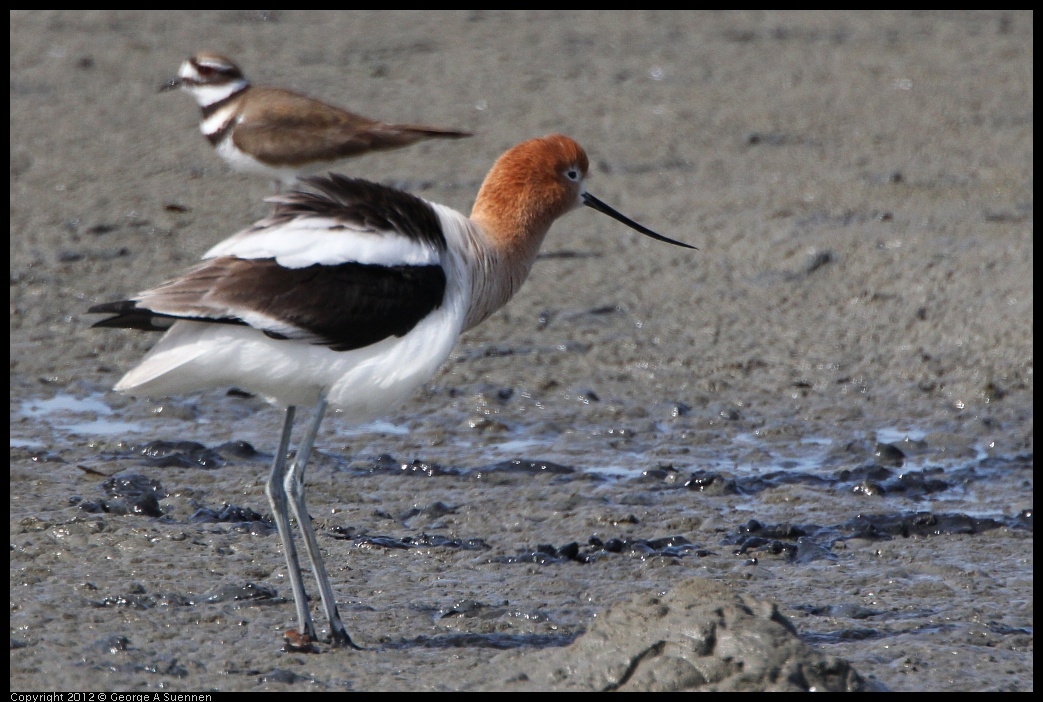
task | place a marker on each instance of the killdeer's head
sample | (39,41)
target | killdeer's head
(210,78)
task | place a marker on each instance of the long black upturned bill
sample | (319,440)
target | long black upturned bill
(596,204)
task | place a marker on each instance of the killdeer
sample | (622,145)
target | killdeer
(279,133)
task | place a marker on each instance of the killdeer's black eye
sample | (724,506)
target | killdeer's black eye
(207,70)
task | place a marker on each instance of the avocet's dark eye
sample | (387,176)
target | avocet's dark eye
(573,174)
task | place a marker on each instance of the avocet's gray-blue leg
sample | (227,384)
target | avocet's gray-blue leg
(276,491)
(294,484)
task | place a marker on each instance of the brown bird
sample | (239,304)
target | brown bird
(279,133)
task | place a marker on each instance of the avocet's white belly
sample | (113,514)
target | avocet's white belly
(364,383)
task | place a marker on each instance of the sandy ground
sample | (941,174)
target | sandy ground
(860,188)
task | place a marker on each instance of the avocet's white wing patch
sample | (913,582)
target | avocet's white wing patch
(306,241)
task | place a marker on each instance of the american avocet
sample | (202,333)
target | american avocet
(278,133)
(349,296)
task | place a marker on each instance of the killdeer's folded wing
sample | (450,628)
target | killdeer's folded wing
(283,129)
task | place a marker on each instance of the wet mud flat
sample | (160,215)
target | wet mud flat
(527,574)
